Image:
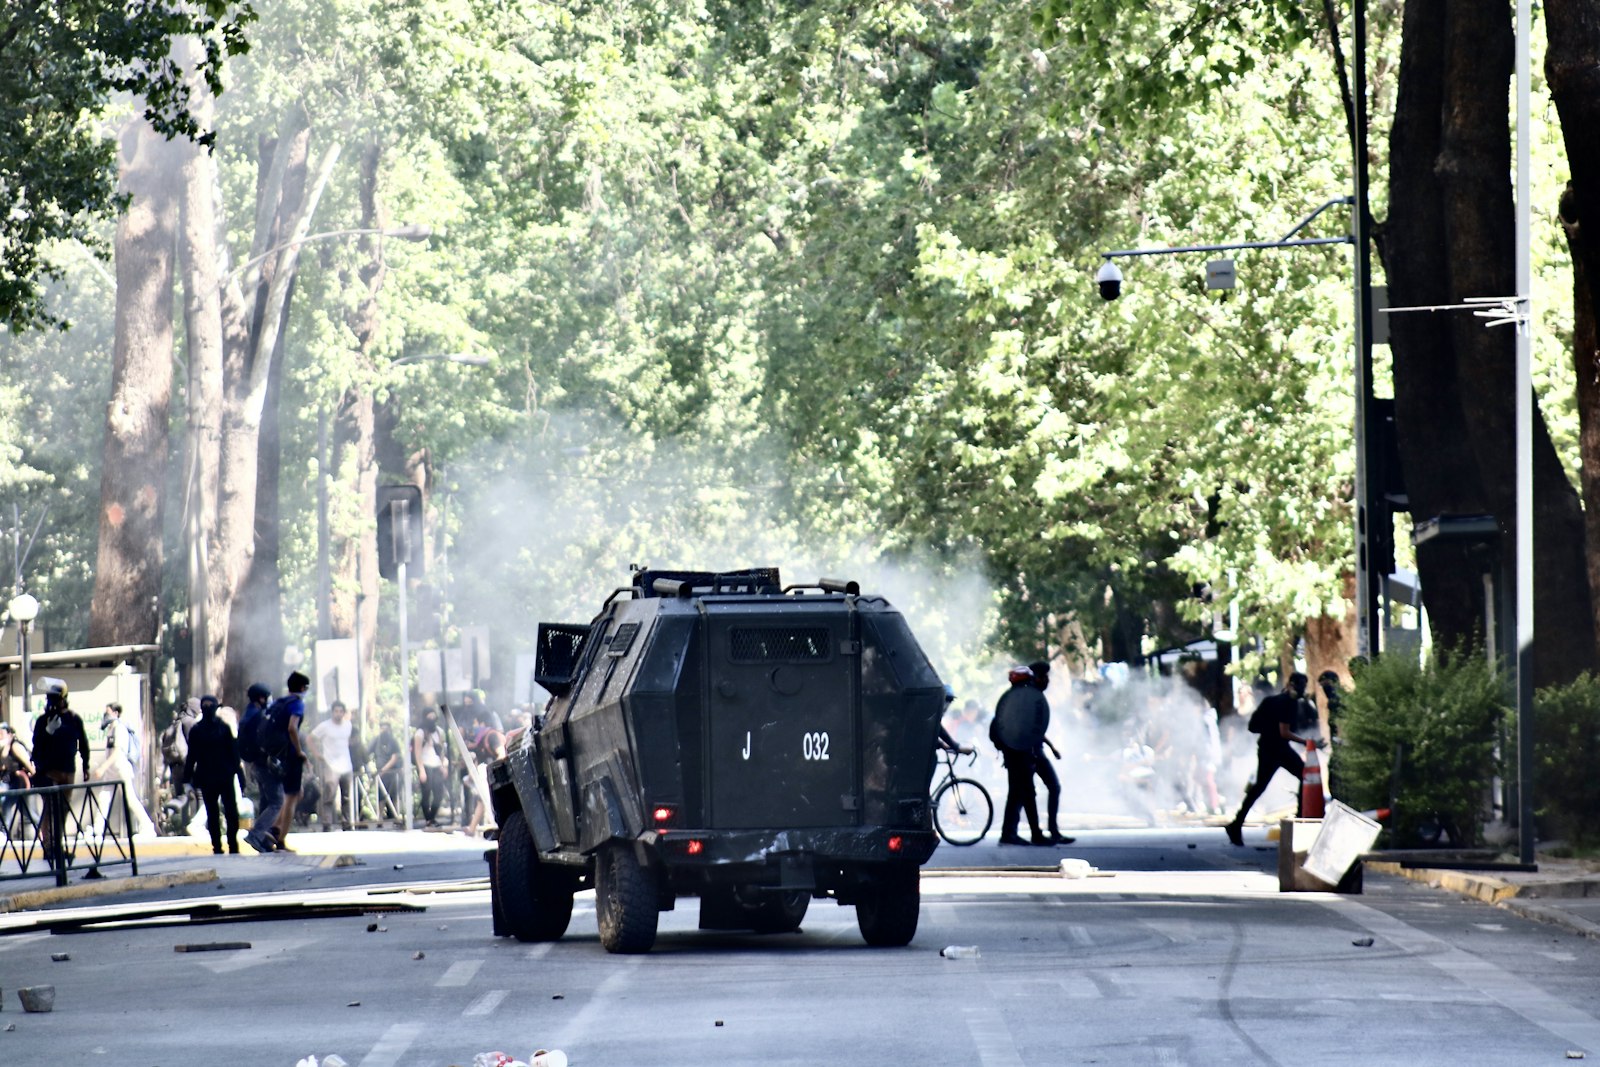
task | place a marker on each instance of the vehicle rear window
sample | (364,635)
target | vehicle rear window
(764,644)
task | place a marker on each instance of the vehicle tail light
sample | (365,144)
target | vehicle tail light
(696,847)
(662,814)
(896,842)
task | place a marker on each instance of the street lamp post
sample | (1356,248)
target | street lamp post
(24,608)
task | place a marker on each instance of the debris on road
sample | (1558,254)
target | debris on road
(551,1058)
(959,952)
(558,996)
(37,998)
(212,946)
(354,1004)
(1574,1054)
(1362,942)
(59,957)
(1075,868)
(417,955)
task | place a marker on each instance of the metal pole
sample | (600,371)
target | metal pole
(1369,505)
(405,689)
(324,577)
(1524,390)
(27,685)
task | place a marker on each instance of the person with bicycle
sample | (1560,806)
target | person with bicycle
(946,742)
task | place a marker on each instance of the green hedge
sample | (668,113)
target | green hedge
(1566,788)
(1443,713)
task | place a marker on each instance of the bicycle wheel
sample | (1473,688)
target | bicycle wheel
(962,811)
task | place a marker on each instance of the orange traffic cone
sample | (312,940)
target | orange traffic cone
(1311,785)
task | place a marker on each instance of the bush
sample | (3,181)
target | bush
(1566,743)
(1443,715)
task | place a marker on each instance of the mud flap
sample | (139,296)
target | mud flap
(602,815)
(540,823)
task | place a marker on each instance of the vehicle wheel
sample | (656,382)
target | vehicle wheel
(888,907)
(780,913)
(625,901)
(534,901)
(962,811)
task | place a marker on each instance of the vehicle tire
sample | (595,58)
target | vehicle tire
(962,811)
(626,907)
(888,907)
(535,902)
(780,912)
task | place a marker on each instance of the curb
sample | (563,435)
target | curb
(1477,886)
(1543,913)
(38,898)
(1519,899)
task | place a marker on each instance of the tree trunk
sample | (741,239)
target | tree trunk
(1449,236)
(127,588)
(200,240)
(1572,68)
(255,633)
(1330,646)
(354,547)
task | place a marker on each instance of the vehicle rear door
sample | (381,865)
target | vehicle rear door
(781,715)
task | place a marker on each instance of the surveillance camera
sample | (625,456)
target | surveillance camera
(1109,280)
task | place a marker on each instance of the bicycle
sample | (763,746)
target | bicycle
(962,809)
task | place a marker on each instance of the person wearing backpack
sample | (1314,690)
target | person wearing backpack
(269,789)
(1273,723)
(16,772)
(279,735)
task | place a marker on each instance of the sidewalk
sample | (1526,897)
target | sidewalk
(1563,893)
(169,862)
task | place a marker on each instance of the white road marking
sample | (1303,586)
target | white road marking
(597,1007)
(459,973)
(486,1004)
(538,951)
(1560,957)
(392,1045)
(1532,1003)
(991,1037)
(1489,926)
(261,950)
(19,940)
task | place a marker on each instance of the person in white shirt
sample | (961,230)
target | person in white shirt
(122,747)
(330,744)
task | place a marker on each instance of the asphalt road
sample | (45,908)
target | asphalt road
(1174,955)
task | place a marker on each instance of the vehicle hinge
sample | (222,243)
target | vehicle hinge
(849,648)
(850,802)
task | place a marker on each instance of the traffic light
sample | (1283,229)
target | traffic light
(400,531)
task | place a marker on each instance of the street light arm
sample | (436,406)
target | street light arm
(1335,202)
(1304,242)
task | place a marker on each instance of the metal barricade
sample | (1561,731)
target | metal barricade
(62,828)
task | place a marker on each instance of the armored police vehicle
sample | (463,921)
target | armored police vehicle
(720,736)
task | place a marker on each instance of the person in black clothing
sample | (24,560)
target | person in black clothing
(212,765)
(1020,720)
(58,736)
(1041,764)
(1280,712)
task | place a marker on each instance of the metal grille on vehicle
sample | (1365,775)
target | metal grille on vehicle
(783,644)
